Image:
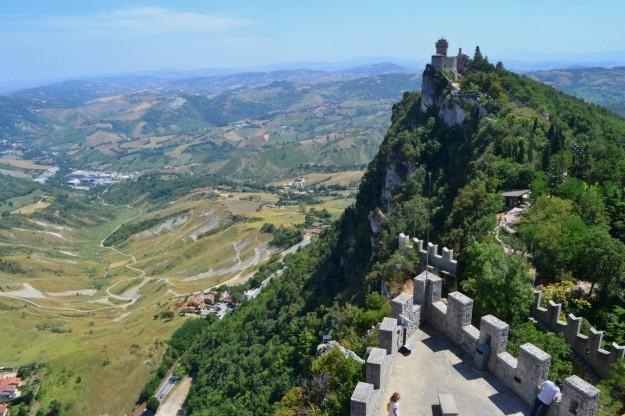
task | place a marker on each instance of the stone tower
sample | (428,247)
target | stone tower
(442,62)
(441,47)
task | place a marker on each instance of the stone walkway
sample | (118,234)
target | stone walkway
(433,367)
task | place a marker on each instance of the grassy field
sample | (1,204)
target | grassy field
(350,178)
(23,164)
(87,312)
(32,208)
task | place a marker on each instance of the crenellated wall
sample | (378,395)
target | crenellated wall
(485,346)
(588,347)
(444,261)
(366,396)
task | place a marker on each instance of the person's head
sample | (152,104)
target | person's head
(395,397)
(558,383)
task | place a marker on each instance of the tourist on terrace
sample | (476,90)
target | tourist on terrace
(549,393)
(393,405)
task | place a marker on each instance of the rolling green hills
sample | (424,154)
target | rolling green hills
(256,126)
(603,86)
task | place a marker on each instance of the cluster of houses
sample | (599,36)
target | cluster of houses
(297,183)
(8,148)
(10,385)
(85,179)
(49,173)
(208,302)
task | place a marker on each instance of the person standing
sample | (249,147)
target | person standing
(549,393)
(393,406)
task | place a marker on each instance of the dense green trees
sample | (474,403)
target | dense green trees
(562,243)
(283,237)
(554,344)
(500,284)
(613,390)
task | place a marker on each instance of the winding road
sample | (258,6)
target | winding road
(130,266)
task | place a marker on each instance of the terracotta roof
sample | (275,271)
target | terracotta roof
(9,382)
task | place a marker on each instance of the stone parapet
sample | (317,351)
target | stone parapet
(389,335)
(443,261)
(579,398)
(363,400)
(486,346)
(588,347)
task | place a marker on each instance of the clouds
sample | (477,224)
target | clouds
(138,20)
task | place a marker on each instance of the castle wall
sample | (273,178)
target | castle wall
(485,346)
(366,396)
(588,347)
(445,63)
(444,261)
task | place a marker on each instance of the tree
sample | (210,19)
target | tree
(602,260)
(612,399)
(500,284)
(152,404)
(554,235)
(473,213)
(553,344)
(477,56)
(56,408)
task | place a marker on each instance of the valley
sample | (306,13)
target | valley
(84,302)
(121,199)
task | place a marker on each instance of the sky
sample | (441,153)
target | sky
(55,39)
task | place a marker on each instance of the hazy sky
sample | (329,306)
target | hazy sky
(47,39)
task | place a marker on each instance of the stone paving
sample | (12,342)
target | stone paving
(434,367)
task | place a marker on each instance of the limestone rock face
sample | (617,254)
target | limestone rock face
(452,115)
(391,182)
(428,91)
(449,112)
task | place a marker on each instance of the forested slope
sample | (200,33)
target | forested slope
(494,131)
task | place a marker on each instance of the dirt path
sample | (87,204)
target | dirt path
(130,266)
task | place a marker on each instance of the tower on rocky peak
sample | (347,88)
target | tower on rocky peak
(441,47)
(441,62)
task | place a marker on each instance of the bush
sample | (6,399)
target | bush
(152,404)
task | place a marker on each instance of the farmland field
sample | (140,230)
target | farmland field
(88,313)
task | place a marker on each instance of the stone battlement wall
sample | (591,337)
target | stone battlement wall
(588,347)
(485,346)
(444,261)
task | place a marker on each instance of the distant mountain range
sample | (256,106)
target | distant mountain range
(262,125)
(250,126)
(603,86)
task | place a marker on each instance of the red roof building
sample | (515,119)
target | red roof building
(9,387)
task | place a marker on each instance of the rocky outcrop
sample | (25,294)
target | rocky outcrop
(433,96)
(327,347)
(452,115)
(392,181)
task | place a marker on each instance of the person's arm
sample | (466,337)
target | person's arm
(558,397)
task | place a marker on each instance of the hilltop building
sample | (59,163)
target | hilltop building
(442,62)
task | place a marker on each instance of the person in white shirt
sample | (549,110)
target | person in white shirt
(393,408)
(549,393)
